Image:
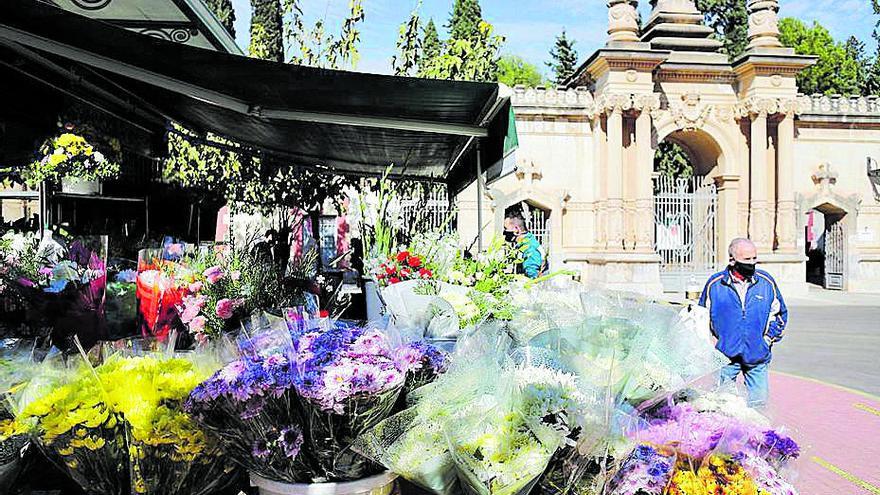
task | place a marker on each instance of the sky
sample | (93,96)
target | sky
(530,26)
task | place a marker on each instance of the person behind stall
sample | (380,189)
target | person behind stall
(516,233)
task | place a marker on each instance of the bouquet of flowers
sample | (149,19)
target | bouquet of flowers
(16,368)
(62,285)
(647,471)
(120,428)
(289,409)
(161,285)
(71,155)
(401,267)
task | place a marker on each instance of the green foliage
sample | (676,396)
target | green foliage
(225,13)
(465,20)
(213,165)
(314,47)
(837,70)
(564,58)
(671,160)
(431,45)
(406,61)
(513,70)
(267,30)
(474,59)
(730,20)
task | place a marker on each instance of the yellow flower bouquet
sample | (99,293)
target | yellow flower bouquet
(120,429)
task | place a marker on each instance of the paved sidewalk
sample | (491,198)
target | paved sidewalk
(839,431)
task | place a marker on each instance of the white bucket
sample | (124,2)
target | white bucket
(381,484)
(373,300)
(72,185)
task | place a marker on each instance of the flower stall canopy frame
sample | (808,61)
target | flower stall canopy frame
(348,122)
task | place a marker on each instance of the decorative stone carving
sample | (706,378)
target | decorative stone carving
(649,103)
(612,102)
(769,106)
(689,114)
(764,24)
(824,177)
(551,97)
(623,21)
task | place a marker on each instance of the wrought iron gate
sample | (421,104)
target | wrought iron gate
(684,218)
(835,253)
(538,223)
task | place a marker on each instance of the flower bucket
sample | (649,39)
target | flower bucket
(72,185)
(373,300)
(381,484)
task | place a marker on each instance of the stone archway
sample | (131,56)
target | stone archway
(686,210)
(828,248)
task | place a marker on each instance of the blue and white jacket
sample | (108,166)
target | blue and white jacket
(746,330)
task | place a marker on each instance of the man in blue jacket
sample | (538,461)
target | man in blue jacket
(748,316)
(516,233)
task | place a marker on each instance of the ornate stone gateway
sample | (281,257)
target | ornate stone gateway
(686,240)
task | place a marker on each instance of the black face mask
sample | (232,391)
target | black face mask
(745,269)
(509,236)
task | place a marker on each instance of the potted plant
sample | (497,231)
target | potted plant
(73,162)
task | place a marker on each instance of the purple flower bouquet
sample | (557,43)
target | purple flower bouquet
(292,414)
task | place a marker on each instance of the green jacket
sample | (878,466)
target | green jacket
(532,255)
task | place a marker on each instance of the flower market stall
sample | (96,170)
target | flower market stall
(234,376)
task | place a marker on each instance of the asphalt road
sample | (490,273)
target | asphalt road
(836,341)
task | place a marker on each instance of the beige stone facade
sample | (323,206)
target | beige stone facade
(766,155)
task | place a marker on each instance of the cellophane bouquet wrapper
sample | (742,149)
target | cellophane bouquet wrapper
(291,405)
(120,428)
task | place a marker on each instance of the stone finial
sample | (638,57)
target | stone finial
(764,24)
(623,21)
(675,6)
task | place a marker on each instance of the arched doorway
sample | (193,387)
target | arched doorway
(826,246)
(685,208)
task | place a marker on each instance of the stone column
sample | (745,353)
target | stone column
(614,154)
(786,210)
(601,171)
(764,24)
(623,21)
(760,225)
(728,214)
(644,172)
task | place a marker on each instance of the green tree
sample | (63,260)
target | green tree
(465,19)
(409,45)
(857,50)
(431,44)
(513,70)
(267,30)
(474,59)
(313,46)
(836,72)
(564,58)
(224,12)
(672,160)
(730,20)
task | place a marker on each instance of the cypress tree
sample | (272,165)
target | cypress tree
(225,13)
(464,22)
(267,30)
(564,58)
(431,45)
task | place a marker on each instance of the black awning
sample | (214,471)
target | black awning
(348,121)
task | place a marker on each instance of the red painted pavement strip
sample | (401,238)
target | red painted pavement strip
(839,431)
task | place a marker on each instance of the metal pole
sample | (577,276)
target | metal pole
(479,200)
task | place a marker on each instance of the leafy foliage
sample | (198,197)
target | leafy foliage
(474,59)
(217,166)
(409,44)
(465,19)
(837,70)
(564,58)
(314,47)
(431,44)
(671,160)
(513,70)
(70,155)
(225,13)
(267,30)
(730,20)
